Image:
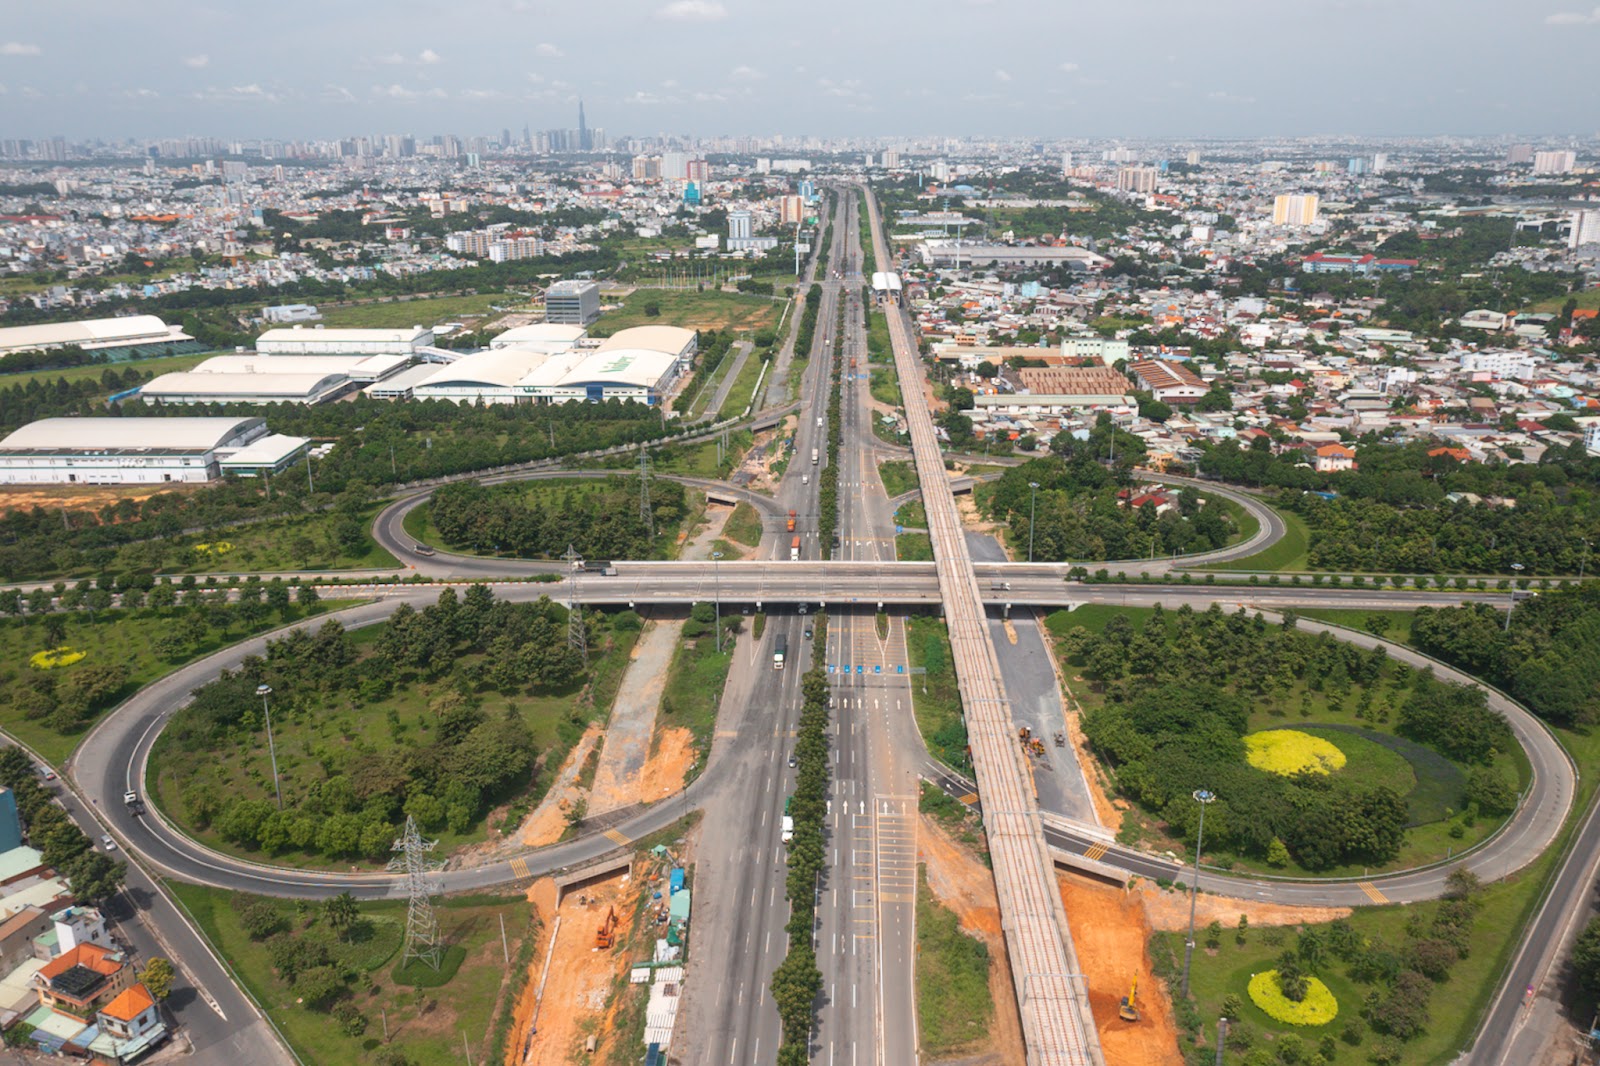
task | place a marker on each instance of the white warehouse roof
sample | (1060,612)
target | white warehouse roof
(356,367)
(300,335)
(90,333)
(82,434)
(304,387)
(502,367)
(550,336)
(672,340)
(637,367)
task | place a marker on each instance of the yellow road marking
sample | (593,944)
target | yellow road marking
(1096,851)
(1372,892)
(969,799)
(520,868)
(616,838)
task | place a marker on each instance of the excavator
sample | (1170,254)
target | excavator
(606,935)
(1128,1009)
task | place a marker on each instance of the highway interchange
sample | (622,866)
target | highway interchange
(864,929)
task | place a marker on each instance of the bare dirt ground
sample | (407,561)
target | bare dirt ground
(619,779)
(1170,910)
(580,976)
(1110,931)
(698,545)
(971,518)
(963,884)
(549,820)
(759,466)
(78,497)
(670,761)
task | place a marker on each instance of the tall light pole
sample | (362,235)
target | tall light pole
(1033,499)
(1204,798)
(716,580)
(1511,604)
(266,708)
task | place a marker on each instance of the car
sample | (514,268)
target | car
(793,762)
(47,773)
(422,549)
(107,843)
(808,632)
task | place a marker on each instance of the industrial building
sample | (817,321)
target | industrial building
(937,253)
(1168,381)
(1058,390)
(189,387)
(362,369)
(541,336)
(639,364)
(137,451)
(134,335)
(298,340)
(572,303)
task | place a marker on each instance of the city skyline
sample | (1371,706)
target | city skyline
(707,67)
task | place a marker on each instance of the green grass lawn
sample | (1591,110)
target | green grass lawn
(934,696)
(912,515)
(308,738)
(1431,785)
(304,542)
(743,392)
(163,364)
(878,347)
(418,311)
(744,525)
(125,637)
(691,310)
(899,477)
(954,1008)
(695,680)
(1287,554)
(426,1025)
(913,548)
(1245,524)
(1588,300)
(1395,625)
(885,385)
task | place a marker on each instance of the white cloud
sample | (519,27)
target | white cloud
(537,79)
(199,62)
(429,57)
(1574,18)
(693,11)
(548,51)
(232,94)
(1068,68)
(139,94)
(644,97)
(393,59)
(17,48)
(338,94)
(1002,75)
(745,73)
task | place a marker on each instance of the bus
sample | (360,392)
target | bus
(780,649)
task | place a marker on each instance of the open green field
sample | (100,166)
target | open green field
(163,364)
(1245,524)
(1287,554)
(912,515)
(1390,625)
(1431,789)
(127,638)
(913,548)
(418,311)
(426,1025)
(885,385)
(694,685)
(954,1008)
(878,347)
(1588,300)
(743,392)
(744,525)
(304,542)
(691,310)
(309,737)
(934,695)
(899,477)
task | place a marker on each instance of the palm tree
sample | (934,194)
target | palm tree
(340,912)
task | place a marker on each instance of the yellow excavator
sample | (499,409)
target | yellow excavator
(1128,1010)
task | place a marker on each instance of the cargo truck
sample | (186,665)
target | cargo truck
(794,549)
(813,457)
(780,651)
(790,527)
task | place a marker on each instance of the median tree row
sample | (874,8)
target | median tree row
(808,323)
(797,982)
(828,492)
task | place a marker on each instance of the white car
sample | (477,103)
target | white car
(107,843)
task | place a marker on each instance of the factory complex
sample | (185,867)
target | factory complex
(141,451)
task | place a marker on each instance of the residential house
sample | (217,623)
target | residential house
(1335,457)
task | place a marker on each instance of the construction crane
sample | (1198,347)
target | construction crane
(606,935)
(1128,1010)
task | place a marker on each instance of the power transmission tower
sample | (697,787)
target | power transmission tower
(646,515)
(422,925)
(577,631)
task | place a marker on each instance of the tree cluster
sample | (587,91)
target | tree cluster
(1077,515)
(447,775)
(1179,692)
(542,519)
(1549,659)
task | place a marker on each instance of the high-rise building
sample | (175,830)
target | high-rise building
(1295,209)
(1554,162)
(583,128)
(674,166)
(1066,164)
(1193,159)
(1585,229)
(1380,162)
(1136,179)
(1519,153)
(572,303)
(792,209)
(891,158)
(698,170)
(739,225)
(646,168)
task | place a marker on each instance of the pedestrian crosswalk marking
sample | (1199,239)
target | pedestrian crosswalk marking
(969,799)
(520,868)
(1372,892)
(1096,851)
(616,838)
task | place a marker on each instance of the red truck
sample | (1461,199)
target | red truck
(790,527)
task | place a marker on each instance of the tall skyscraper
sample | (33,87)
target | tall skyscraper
(1585,229)
(583,129)
(1295,209)
(1555,162)
(739,227)
(1136,179)
(1519,153)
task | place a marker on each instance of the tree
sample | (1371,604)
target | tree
(1586,957)
(1277,854)
(94,876)
(341,913)
(1292,980)
(157,977)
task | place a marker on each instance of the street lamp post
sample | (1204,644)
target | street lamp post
(1204,798)
(716,580)
(1033,498)
(264,691)
(1511,604)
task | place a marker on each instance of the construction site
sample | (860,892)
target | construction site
(607,968)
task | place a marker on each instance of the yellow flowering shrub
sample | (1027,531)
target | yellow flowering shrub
(1318,1008)
(1289,751)
(221,547)
(51,658)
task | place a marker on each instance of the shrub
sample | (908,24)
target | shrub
(1290,751)
(1319,1007)
(51,658)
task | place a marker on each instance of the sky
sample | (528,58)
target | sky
(1003,68)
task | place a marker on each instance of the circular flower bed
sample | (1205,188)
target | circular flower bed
(1289,751)
(51,658)
(1318,1008)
